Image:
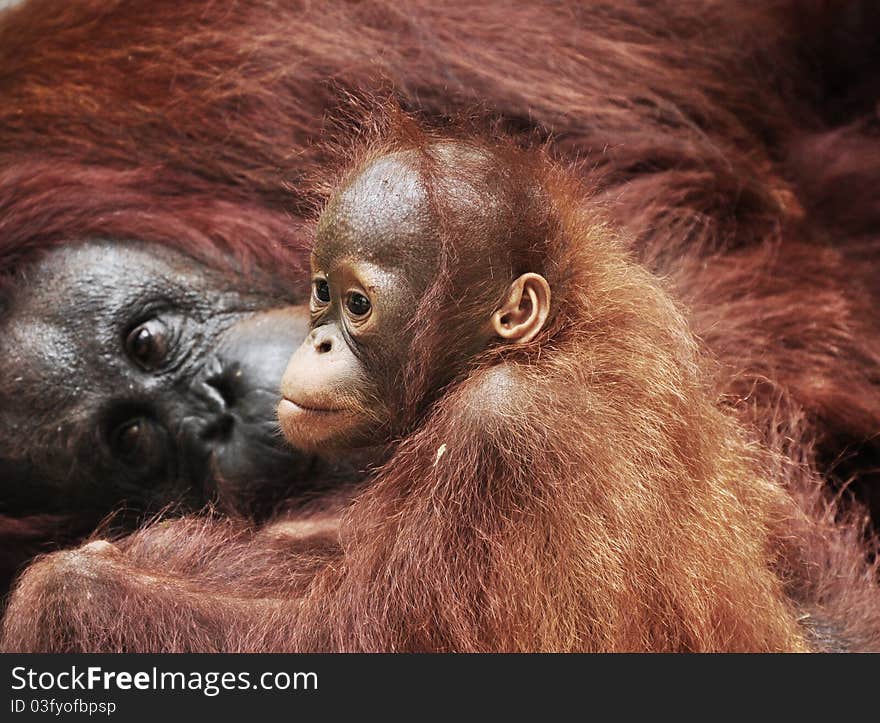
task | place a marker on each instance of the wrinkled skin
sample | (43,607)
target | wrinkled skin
(376,254)
(339,389)
(135,377)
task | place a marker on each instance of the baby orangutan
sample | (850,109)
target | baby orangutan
(555,470)
(385,339)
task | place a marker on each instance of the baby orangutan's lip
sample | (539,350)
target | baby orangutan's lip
(310,428)
(288,406)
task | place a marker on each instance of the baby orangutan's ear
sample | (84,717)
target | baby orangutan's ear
(525,309)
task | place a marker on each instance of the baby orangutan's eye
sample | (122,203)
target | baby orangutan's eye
(321,291)
(358,304)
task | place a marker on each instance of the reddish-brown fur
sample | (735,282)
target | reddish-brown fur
(586,491)
(709,139)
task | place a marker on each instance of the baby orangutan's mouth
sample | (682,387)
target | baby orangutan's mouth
(290,406)
(312,428)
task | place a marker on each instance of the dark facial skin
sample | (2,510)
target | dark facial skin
(132,376)
(365,282)
(376,253)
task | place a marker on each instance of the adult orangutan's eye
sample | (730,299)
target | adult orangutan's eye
(358,304)
(136,441)
(147,344)
(321,291)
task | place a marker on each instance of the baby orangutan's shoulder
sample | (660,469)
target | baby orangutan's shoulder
(491,395)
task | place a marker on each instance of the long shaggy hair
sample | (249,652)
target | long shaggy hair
(588,491)
(736,146)
(731,149)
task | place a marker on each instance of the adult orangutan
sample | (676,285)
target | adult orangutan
(556,470)
(178,373)
(734,145)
